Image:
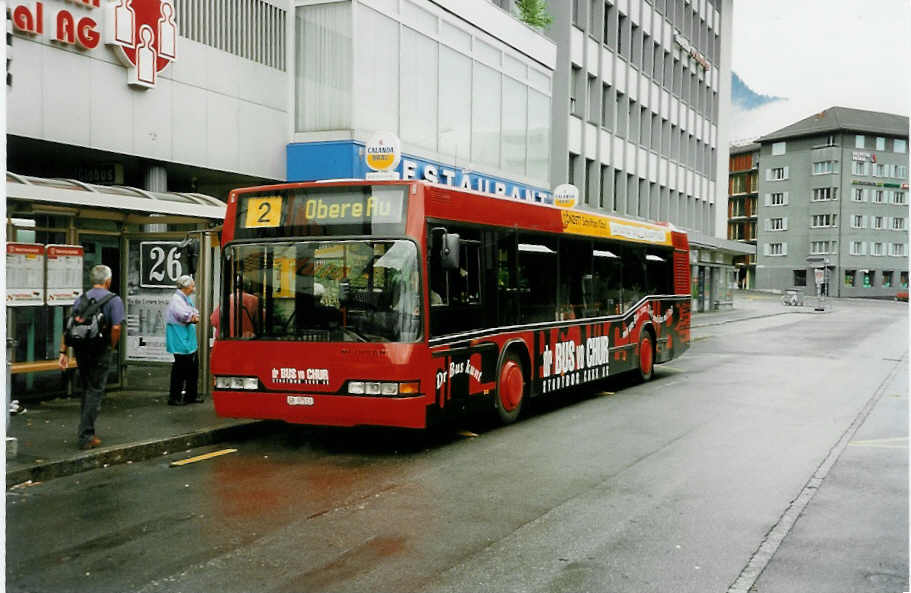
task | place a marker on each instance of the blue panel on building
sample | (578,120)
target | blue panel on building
(311,161)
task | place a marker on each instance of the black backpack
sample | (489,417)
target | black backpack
(86,328)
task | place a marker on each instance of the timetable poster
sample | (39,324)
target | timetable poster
(24,274)
(64,273)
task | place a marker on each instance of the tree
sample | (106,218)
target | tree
(534,13)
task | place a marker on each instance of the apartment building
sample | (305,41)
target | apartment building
(743,191)
(834,196)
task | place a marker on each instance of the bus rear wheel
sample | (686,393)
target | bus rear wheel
(646,356)
(510,389)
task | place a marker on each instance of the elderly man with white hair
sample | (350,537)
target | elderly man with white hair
(181,320)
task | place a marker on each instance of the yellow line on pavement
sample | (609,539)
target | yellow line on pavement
(892,443)
(202,457)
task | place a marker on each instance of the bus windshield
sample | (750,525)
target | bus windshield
(322,291)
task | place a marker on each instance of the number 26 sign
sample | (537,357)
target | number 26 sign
(161,263)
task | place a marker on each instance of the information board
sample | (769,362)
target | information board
(24,274)
(64,274)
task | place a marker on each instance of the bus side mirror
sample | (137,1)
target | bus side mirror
(445,245)
(449,251)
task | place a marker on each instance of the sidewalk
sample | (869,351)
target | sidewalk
(136,425)
(753,305)
(133,425)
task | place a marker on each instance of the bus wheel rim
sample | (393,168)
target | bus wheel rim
(645,356)
(511,385)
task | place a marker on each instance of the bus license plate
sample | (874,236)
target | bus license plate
(300,400)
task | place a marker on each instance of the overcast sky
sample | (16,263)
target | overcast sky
(819,54)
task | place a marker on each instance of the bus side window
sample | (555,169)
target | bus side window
(633,276)
(507,285)
(607,270)
(575,264)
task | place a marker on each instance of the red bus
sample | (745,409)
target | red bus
(392,303)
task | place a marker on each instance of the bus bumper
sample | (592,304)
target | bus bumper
(323,410)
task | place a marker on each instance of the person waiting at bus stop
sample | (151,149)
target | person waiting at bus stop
(94,362)
(181,319)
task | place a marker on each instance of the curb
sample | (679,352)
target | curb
(138,451)
(807,310)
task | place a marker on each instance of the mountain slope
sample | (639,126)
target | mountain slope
(743,97)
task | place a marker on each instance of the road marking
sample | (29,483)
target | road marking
(893,443)
(202,457)
(763,555)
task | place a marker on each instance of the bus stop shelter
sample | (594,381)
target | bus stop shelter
(58,229)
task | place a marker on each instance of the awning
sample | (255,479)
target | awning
(76,194)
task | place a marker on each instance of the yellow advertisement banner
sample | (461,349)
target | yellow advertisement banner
(591,225)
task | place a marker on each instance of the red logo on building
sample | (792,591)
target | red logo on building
(143,34)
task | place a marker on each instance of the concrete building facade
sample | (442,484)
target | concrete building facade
(641,112)
(834,196)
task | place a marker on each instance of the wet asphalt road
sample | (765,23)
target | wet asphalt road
(666,486)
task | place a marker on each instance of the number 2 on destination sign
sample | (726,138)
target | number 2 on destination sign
(263,212)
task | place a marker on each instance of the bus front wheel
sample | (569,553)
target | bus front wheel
(510,389)
(646,356)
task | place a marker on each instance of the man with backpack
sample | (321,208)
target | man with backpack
(93,330)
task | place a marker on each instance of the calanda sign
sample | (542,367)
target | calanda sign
(142,33)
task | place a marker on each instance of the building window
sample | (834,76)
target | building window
(900,146)
(901,171)
(876,248)
(822,220)
(576,88)
(777,173)
(898,197)
(857,221)
(887,279)
(860,168)
(823,247)
(323,67)
(898,224)
(593,95)
(778,148)
(859,141)
(903,278)
(869,278)
(857,248)
(577,13)
(823,167)
(777,224)
(607,106)
(878,196)
(778,199)
(879,170)
(860,195)
(824,194)
(877,223)
(897,249)
(849,277)
(830,140)
(776,249)
(880,143)
(800,277)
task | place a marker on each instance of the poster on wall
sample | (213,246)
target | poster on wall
(64,274)
(24,274)
(146,307)
(146,327)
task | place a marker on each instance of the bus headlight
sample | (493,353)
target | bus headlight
(389,388)
(238,383)
(372,388)
(356,388)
